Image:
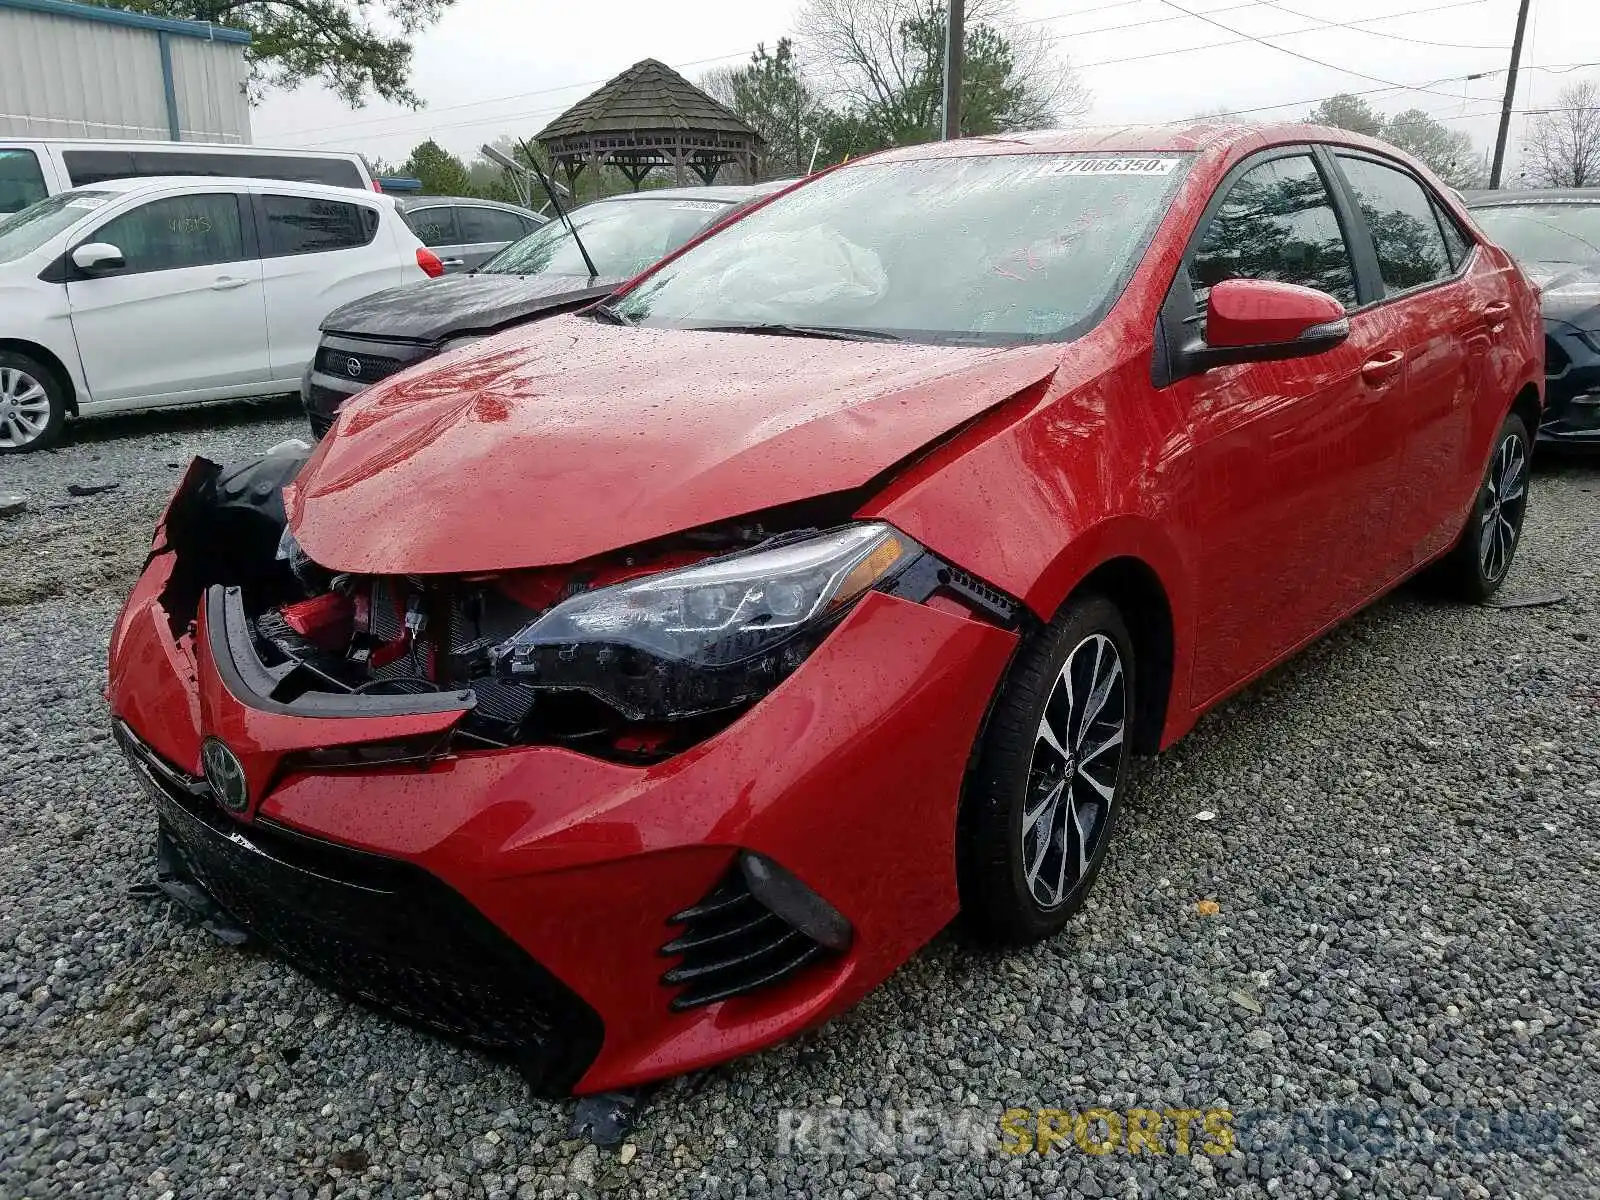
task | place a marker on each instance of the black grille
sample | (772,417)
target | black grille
(731,944)
(385,932)
(369,367)
(1555,358)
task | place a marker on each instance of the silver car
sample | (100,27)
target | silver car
(465,232)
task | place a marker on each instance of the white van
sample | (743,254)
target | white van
(31,169)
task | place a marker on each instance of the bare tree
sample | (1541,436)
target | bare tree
(880,61)
(1563,147)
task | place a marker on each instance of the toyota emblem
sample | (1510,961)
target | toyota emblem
(352,367)
(225,774)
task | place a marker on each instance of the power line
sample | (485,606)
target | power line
(1355,27)
(1292,53)
(1561,69)
(1246,38)
(1388,85)
(1351,25)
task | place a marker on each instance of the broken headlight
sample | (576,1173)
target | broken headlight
(711,636)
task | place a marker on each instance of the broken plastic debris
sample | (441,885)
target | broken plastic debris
(1205,814)
(1526,600)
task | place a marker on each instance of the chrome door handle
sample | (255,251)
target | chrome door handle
(452,262)
(227,283)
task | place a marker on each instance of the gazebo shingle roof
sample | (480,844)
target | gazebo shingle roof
(648,95)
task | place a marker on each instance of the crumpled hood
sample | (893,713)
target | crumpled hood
(569,438)
(1568,292)
(458,304)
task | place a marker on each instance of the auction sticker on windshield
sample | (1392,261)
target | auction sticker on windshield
(1079,165)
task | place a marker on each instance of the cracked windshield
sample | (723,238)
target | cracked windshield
(992,250)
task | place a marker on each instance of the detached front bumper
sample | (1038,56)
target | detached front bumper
(541,884)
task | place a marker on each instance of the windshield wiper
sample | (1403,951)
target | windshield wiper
(608,314)
(838,333)
(549,190)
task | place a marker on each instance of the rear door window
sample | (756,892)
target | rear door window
(436,226)
(21,180)
(1404,226)
(488,225)
(1277,222)
(179,231)
(97,166)
(313,225)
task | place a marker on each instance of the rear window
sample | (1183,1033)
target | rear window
(313,225)
(96,166)
(434,226)
(21,180)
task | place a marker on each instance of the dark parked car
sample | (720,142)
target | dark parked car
(539,276)
(465,232)
(1554,234)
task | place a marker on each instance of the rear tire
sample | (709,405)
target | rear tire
(33,406)
(1052,767)
(1479,562)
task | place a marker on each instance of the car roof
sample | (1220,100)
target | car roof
(141,183)
(410,203)
(178,147)
(724,194)
(1499,197)
(1187,136)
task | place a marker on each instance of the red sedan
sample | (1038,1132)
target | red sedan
(637,688)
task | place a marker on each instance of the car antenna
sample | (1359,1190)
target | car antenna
(549,190)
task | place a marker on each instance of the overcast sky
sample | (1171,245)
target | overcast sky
(507,66)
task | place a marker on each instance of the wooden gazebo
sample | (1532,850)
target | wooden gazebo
(648,118)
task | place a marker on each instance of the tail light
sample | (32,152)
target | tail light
(429,262)
(377,185)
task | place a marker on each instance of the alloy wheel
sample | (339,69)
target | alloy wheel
(1505,497)
(1073,776)
(24,408)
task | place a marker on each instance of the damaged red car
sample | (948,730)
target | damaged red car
(631,690)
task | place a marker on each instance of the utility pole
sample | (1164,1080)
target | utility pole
(1511,95)
(954,40)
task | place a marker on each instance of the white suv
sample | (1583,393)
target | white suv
(138,293)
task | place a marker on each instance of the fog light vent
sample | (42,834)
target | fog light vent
(734,940)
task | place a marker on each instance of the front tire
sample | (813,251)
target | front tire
(1481,559)
(1051,771)
(33,409)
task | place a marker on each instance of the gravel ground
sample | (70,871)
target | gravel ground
(1402,864)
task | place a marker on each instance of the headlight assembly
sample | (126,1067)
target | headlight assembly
(709,636)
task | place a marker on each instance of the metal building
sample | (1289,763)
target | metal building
(77,71)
